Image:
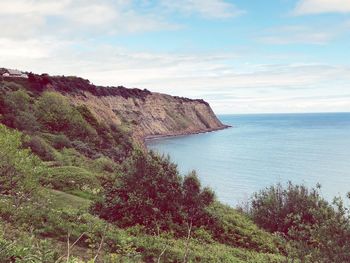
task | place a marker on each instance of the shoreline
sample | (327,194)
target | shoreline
(164,136)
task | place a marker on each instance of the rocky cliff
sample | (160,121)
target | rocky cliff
(153,114)
(144,113)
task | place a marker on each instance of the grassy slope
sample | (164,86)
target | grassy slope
(237,238)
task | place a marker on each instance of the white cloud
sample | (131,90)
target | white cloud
(94,14)
(205,8)
(215,77)
(306,7)
(317,34)
(22,7)
(78,18)
(299,35)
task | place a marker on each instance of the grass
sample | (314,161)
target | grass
(64,200)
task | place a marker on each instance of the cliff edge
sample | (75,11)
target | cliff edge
(153,115)
(146,114)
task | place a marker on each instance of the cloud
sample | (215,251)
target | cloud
(91,19)
(44,7)
(214,77)
(78,18)
(311,7)
(206,8)
(298,35)
(315,34)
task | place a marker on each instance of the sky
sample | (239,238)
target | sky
(242,56)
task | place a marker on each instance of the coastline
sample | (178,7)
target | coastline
(173,135)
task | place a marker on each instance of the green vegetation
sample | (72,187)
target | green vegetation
(55,113)
(74,189)
(315,230)
(19,169)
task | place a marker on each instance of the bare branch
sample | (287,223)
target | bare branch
(189,225)
(161,254)
(101,243)
(68,247)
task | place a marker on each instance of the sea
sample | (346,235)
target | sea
(265,149)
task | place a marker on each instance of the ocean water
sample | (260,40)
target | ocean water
(260,150)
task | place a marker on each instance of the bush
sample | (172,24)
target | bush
(150,192)
(38,146)
(71,157)
(19,169)
(112,141)
(317,230)
(61,141)
(18,111)
(58,116)
(26,248)
(104,164)
(229,226)
(85,148)
(66,178)
(26,122)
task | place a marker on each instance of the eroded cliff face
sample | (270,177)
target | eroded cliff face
(152,114)
(143,113)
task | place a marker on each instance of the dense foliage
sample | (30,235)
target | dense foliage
(52,121)
(19,169)
(149,191)
(317,230)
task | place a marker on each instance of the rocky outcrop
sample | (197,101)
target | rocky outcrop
(151,115)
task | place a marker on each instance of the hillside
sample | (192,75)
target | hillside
(78,185)
(71,166)
(146,114)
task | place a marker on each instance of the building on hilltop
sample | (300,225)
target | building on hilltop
(13,73)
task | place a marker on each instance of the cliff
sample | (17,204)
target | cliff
(144,113)
(153,115)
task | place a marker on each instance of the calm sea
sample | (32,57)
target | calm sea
(260,150)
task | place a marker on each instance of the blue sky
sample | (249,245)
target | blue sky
(242,56)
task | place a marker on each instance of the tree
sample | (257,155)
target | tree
(146,192)
(149,191)
(195,199)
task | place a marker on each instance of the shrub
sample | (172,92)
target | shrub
(18,100)
(61,141)
(150,192)
(229,226)
(85,148)
(71,157)
(26,248)
(277,209)
(112,141)
(104,164)
(26,121)
(58,116)
(38,146)
(145,194)
(18,111)
(317,230)
(68,178)
(19,169)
